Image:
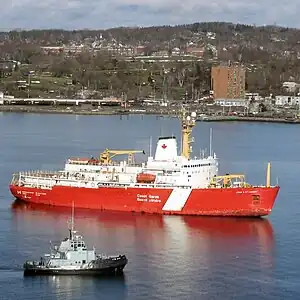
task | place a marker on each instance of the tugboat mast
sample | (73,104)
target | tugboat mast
(71,230)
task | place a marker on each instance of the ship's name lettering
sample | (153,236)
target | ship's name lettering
(147,198)
(40,194)
(247,192)
(27,193)
(142,196)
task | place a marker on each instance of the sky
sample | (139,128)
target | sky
(103,14)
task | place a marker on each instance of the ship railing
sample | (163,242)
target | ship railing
(55,175)
(30,263)
(163,185)
(29,177)
(50,178)
(228,181)
(39,172)
(112,164)
(143,185)
(15,179)
(43,174)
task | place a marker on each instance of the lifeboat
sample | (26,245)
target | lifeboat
(145,178)
(78,161)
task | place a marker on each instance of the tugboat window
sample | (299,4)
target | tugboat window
(83,261)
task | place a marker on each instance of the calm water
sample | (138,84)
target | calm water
(169,257)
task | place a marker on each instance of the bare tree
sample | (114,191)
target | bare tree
(181,74)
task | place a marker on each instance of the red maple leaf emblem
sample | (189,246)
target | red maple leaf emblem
(164,146)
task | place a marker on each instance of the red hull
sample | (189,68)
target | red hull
(253,201)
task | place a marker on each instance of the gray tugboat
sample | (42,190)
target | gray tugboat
(72,257)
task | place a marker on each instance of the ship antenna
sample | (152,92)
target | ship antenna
(210,142)
(72,222)
(73,216)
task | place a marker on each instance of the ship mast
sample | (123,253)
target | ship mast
(71,230)
(187,124)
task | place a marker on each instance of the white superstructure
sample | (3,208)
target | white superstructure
(166,167)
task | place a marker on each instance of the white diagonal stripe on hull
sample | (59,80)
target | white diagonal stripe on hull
(177,199)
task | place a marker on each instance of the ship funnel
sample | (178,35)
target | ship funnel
(166,149)
(268,183)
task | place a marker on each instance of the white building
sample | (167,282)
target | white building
(232,102)
(253,96)
(1,98)
(290,86)
(287,100)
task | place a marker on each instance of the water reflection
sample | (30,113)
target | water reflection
(220,226)
(76,287)
(161,230)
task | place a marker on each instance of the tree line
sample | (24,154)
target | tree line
(270,54)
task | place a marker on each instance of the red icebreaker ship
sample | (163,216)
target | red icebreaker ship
(167,183)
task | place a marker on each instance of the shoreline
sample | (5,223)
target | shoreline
(102,112)
(250,119)
(120,112)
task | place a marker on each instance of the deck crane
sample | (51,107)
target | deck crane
(107,155)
